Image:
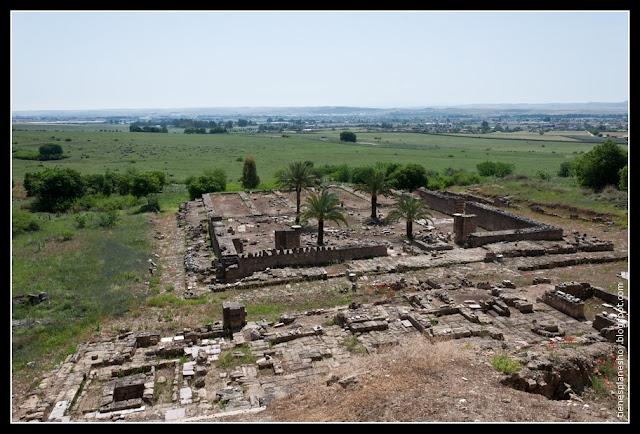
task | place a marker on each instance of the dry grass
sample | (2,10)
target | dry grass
(420,381)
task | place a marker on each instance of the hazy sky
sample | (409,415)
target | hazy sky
(86,60)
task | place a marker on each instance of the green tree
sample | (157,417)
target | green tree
(375,183)
(147,183)
(409,177)
(601,165)
(566,169)
(410,209)
(250,178)
(50,151)
(296,176)
(347,136)
(622,183)
(210,182)
(323,206)
(484,127)
(55,189)
(494,168)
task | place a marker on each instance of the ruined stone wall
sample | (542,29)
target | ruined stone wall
(565,303)
(610,298)
(441,202)
(541,232)
(251,262)
(494,219)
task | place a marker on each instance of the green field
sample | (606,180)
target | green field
(181,155)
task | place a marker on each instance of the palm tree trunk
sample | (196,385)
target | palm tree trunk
(410,229)
(320,232)
(298,205)
(374,207)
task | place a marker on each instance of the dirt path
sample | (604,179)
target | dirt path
(169,248)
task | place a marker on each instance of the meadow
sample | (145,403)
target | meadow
(181,155)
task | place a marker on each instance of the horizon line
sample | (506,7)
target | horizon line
(441,105)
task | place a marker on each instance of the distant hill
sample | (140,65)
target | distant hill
(469,109)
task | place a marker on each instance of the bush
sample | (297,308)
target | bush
(55,189)
(505,364)
(147,183)
(343,173)
(108,219)
(409,177)
(81,220)
(495,168)
(347,136)
(22,221)
(359,175)
(66,235)
(601,165)
(152,205)
(50,151)
(210,182)
(566,169)
(622,183)
(543,175)
(250,178)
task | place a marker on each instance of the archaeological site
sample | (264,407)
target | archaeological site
(481,287)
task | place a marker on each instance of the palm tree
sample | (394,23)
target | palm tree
(323,206)
(297,176)
(375,183)
(410,209)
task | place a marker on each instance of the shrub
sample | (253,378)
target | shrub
(250,178)
(343,173)
(147,183)
(505,364)
(22,221)
(409,177)
(566,169)
(353,345)
(347,136)
(601,165)
(543,175)
(495,168)
(66,235)
(359,175)
(108,219)
(622,183)
(55,189)
(152,205)
(210,182)
(50,151)
(81,220)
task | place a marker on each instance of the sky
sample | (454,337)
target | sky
(99,60)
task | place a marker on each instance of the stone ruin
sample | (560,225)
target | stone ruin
(144,376)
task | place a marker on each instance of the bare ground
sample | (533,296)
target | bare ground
(419,381)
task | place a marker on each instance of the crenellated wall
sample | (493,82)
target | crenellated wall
(233,265)
(249,263)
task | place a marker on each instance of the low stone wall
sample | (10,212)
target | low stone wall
(537,233)
(494,219)
(500,225)
(441,202)
(565,303)
(608,297)
(251,262)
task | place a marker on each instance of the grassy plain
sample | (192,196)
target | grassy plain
(94,273)
(182,155)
